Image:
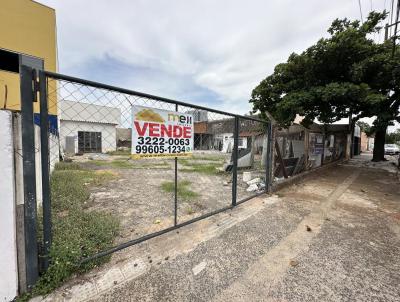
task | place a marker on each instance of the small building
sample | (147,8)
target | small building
(87,128)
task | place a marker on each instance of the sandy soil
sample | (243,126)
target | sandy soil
(137,198)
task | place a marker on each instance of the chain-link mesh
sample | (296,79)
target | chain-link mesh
(134,197)
(252,159)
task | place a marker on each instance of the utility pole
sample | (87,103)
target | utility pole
(395,24)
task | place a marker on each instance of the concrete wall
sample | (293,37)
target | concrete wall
(71,128)
(8,252)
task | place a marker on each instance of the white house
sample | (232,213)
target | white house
(87,128)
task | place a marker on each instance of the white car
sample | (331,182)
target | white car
(391,149)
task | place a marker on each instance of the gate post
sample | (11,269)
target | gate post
(176,186)
(44,152)
(268,165)
(29,175)
(235,154)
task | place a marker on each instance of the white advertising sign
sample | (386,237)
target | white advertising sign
(161,133)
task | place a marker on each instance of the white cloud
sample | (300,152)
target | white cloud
(226,47)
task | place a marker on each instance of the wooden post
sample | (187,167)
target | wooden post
(280,159)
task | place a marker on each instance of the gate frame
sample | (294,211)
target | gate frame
(27,89)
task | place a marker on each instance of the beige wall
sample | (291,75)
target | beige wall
(364,142)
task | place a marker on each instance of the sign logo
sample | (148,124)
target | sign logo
(161,133)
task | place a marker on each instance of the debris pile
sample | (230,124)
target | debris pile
(255,185)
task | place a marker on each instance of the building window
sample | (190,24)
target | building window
(89,141)
(9,61)
(242,143)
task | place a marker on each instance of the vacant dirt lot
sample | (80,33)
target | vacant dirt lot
(141,195)
(333,237)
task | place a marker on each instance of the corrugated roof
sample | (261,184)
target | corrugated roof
(83,112)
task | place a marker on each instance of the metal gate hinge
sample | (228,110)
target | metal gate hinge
(35,86)
(35,90)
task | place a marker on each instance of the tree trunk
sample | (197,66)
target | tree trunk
(379,144)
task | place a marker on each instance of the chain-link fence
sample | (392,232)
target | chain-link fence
(113,198)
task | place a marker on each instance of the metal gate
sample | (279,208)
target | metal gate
(144,197)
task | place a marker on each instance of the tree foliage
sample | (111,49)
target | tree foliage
(346,73)
(393,137)
(366,128)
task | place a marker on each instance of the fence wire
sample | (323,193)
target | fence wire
(127,198)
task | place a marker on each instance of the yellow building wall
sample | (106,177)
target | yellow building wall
(29,28)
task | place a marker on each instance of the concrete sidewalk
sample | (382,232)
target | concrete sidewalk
(333,237)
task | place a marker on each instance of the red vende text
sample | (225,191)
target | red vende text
(162,130)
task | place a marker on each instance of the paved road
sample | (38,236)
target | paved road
(335,237)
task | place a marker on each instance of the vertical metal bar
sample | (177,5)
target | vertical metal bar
(235,160)
(268,164)
(176,186)
(44,152)
(323,149)
(29,176)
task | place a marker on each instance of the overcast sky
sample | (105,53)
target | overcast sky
(208,52)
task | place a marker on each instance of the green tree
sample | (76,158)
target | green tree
(345,74)
(366,128)
(393,137)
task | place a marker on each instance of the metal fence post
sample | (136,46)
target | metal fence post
(29,175)
(235,154)
(176,186)
(44,148)
(268,164)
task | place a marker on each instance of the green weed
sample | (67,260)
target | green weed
(183,191)
(76,233)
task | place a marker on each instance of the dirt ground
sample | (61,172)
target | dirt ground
(137,198)
(335,236)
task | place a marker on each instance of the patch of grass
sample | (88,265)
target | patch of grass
(116,163)
(122,164)
(126,164)
(190,211)
(183,191)
(67,166)
(120,152)
(209,158)
(159,165)
(209,168)
(76,233)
